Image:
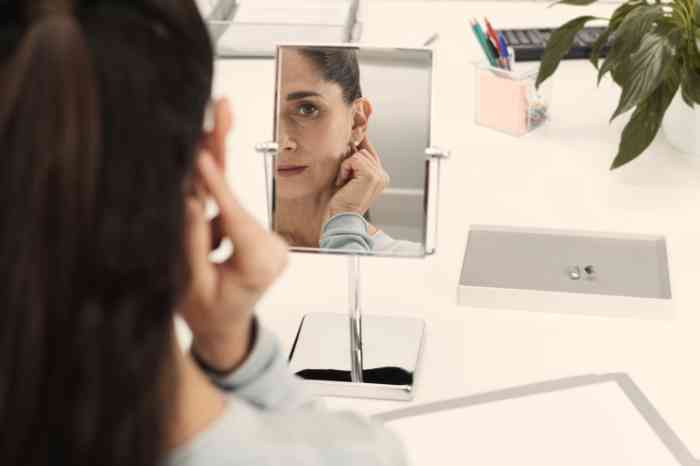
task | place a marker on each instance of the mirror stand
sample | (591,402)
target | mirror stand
(378,360)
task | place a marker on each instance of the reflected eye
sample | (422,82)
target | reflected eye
(306,109)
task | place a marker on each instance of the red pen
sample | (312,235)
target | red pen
(491,33)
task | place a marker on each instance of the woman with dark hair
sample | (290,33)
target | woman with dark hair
(104,174)
(328,174)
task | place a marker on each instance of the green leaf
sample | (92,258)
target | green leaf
(574,2)
(687,99)
(677,12)
(621,72)
(558,45)
(628,36)
(694,51)
(615,20)
(670,22)
(697,13)
(647,68)
(599,43)
(621,13)
(645,123)
(690,80)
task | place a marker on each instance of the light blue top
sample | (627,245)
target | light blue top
(270,419)
(349,232)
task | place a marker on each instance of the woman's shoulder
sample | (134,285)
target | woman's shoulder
(248,435)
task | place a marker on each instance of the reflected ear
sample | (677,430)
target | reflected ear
(217,125)
(362,111)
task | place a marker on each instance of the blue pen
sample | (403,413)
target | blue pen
(503,50)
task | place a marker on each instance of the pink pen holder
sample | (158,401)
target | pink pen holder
(507,101)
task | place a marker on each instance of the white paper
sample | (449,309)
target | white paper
(584,426)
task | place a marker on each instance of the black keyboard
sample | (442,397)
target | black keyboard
(529,43)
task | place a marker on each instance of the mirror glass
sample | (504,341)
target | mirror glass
(352,126)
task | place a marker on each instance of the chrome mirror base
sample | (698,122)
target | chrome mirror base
(390,354)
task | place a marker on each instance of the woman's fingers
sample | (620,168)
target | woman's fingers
(375,163)
(217,233)
(366,145)
(345,172)
(198,242)
(367,148)
(377,170)
(363,165)
(259,256)
(236,223)
(350,168)
(363,179)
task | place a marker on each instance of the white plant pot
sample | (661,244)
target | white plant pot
(681,126)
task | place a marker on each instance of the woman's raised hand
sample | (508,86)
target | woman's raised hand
(360,181)
(220,302)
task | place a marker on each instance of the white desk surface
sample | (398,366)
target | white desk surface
(557,177)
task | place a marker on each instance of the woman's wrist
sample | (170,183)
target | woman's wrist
(342,217)
(335,209)
(224,352)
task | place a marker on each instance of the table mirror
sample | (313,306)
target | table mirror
(351,172)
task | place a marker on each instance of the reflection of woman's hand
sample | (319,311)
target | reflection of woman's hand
(219,305)
(361,179)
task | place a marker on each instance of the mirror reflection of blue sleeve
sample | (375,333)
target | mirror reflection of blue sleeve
(346,231)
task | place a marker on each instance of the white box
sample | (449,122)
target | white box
(252,28)
(536,270)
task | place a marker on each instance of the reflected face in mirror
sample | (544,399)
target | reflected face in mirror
(318,123)
(322,122)
(329,178)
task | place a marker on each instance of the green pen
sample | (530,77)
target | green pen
(481,37)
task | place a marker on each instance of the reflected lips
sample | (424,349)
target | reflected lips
(290,170)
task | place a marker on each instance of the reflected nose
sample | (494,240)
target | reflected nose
(286,141)
(288,145)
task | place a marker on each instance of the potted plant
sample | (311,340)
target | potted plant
(653,55)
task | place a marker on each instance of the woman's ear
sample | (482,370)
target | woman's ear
(218,124)
(362,111)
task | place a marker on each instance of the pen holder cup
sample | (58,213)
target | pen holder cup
(507,101)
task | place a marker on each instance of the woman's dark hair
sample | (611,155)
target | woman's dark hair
(101,110)
(338,65)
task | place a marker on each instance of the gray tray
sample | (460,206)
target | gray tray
(566,271)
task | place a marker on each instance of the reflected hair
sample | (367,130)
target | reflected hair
(101,110)
(338,65)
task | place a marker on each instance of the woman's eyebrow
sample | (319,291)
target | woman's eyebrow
(302,95)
